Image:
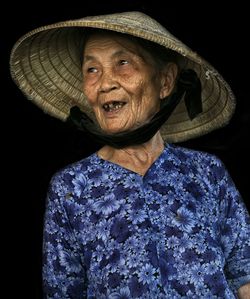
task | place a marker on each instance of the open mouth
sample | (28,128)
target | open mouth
(113,106)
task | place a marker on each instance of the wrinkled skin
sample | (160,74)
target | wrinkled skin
(118,71)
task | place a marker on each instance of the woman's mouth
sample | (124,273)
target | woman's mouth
(113,106)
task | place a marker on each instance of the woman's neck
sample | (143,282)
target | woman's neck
(137,158)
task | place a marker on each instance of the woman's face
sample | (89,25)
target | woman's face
(120,81)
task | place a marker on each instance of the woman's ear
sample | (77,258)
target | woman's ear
(168,77)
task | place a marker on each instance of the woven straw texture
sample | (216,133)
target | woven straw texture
(45,64)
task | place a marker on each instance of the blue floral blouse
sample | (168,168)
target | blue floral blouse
(179,231)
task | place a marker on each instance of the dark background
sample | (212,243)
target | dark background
(35,145)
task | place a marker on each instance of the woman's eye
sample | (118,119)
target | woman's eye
(123,62)
(91,70)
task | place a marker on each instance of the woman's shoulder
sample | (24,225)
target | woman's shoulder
(74,169)
(198,164)
(190,155)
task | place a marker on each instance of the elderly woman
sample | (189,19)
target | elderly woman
(140,218)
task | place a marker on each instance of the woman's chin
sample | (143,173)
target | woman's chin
(114,130)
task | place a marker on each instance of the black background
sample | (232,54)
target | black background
(35,145)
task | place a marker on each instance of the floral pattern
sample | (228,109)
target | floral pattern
(179,231)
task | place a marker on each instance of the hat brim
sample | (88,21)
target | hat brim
(45,64)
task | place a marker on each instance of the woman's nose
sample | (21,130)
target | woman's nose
(107,82)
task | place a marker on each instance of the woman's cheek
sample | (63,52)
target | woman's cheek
(89,94)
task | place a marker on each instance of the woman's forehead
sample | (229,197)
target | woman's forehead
(106,41)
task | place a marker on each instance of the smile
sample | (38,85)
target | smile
(113,106)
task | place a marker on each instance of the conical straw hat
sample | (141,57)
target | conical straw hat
(45,64)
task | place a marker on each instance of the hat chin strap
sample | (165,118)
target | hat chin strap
(188,86)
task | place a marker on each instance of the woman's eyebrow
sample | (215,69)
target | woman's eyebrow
(88,58)
(121,52)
